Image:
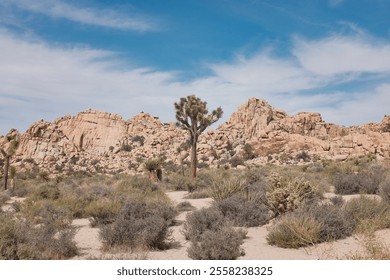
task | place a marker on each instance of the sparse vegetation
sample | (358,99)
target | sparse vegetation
(212,238)
(294,231)
(139,224)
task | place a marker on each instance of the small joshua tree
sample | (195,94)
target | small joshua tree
(8,149)
(192,115)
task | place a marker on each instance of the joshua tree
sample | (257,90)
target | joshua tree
(192,115)
(8,149)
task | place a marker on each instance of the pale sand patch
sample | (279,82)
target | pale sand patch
(7,207)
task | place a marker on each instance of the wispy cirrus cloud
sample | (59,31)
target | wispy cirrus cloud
(338,55)
(87,15)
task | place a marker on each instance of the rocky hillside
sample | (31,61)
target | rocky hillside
(96,141)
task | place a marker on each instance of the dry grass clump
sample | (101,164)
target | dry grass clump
(294,231)
(227,187)
(211,236)
(373,249)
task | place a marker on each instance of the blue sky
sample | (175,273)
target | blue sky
(61,57)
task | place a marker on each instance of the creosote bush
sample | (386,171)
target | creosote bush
(224,244)
(368,214)
(211,236)
(335,222)
(22,239)
(243,212)
(201,221)
(140,224)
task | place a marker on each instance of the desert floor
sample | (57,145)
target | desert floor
(255,245)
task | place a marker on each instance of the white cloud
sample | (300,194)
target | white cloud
(87,15)
(38,80)
(340,55)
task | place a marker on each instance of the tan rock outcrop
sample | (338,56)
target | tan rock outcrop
(96,141)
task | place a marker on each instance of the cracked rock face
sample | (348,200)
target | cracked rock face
(97,141)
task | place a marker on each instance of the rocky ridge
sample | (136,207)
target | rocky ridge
(95,141)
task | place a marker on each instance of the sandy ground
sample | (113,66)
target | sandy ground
(255,246)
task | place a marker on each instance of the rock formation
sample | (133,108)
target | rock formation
(96,141)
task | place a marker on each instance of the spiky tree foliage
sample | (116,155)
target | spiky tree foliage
(8,149)
(192,115)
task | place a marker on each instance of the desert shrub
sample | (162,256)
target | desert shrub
(21,239)
(226,187)
(184,206)
(368,214)
(236,161)
(47,191)
(102,212)
(223,244)
(365,182)
(384,190)
(183,183)
(334,221)
(248,152)
(284,194)
(337,200)
(242,212)
(201,221)
(303,155)
(294,231)
(139,225)
(3,198)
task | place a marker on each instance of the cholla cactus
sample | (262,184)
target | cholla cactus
(285,195)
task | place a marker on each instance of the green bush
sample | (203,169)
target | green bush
(294,232)
(139,225)
(223,244)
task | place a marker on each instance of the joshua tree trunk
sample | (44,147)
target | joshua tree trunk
(194,160)
(6,166)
